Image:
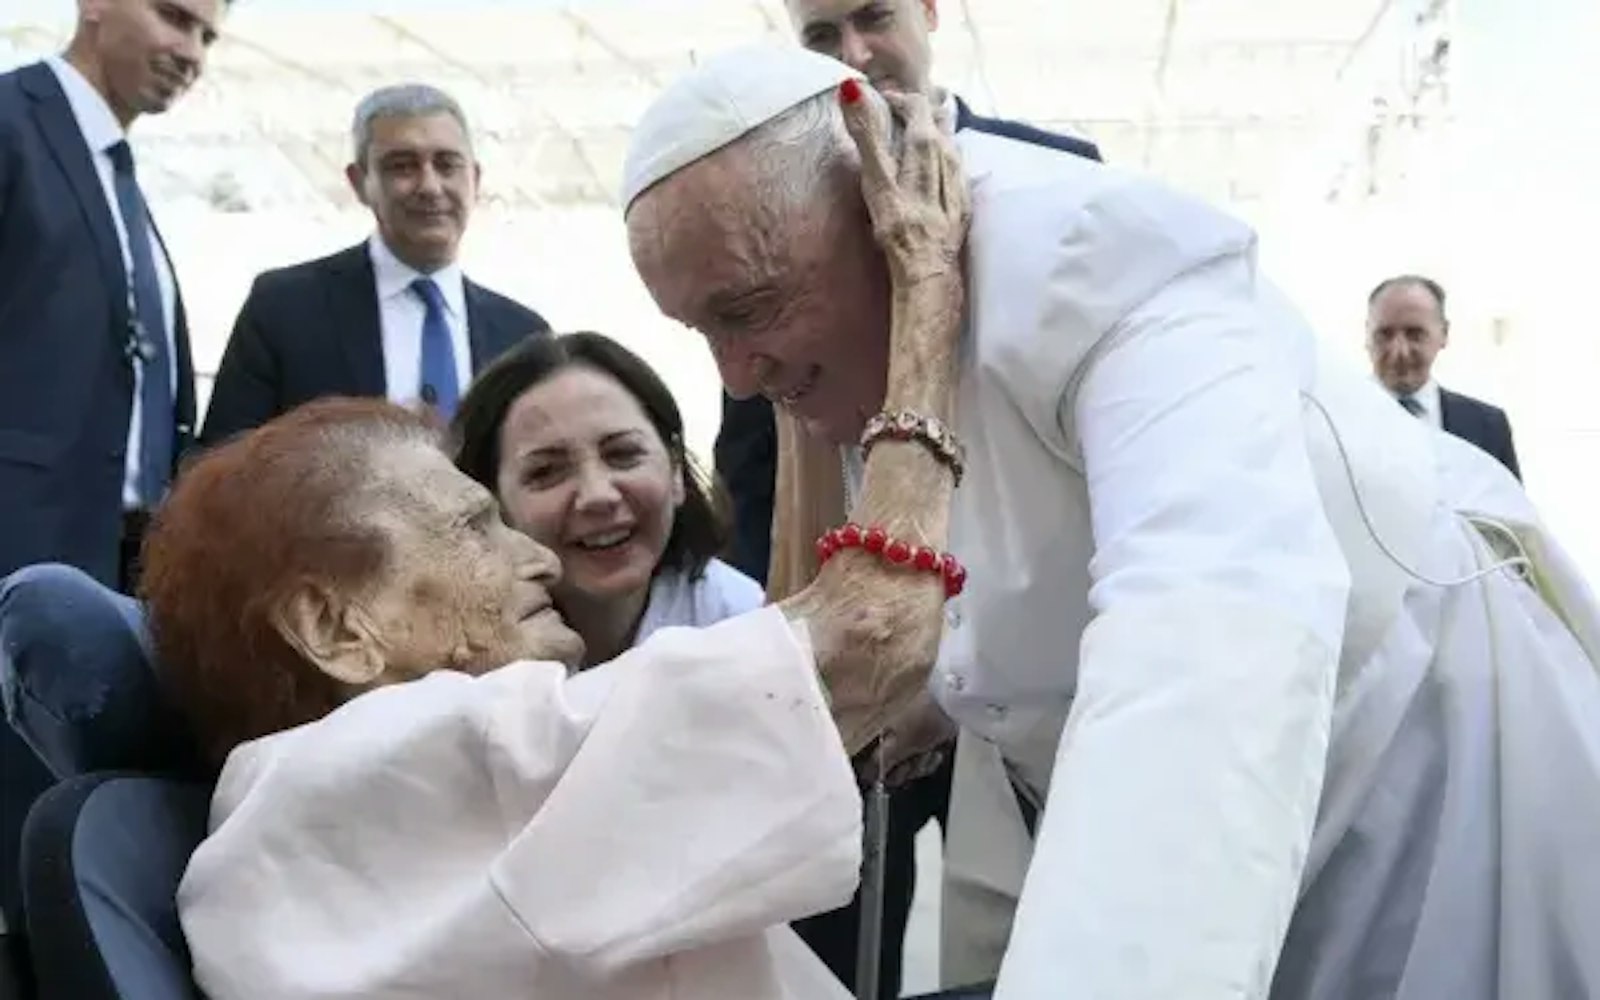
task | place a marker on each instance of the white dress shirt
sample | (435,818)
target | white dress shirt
(101,131)
(400,316)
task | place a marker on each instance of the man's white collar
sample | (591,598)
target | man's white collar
(99,125)
(394,276)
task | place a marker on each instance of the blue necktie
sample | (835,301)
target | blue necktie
(1411,406)
(439,388)
(147,336)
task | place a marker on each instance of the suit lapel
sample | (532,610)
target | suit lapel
(482,333)
(184,400)
(60,130)
(1451,413)
(353,308)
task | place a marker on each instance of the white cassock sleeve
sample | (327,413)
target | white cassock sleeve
(1186,782)
(636,831)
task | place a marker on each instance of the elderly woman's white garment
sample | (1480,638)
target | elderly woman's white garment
(641,831)
(1275,762)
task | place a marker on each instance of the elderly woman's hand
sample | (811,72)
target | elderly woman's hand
(914,188)
(876,627)
(915,744)
(875,632)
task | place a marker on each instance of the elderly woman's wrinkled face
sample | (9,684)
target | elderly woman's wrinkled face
(794,304)
(460,589)
(583,470)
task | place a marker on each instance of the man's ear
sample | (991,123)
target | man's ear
(331,633)
(931,10)
(356,175)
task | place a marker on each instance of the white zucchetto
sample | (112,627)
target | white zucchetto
(719,101)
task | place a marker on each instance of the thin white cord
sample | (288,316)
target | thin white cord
(1480,522)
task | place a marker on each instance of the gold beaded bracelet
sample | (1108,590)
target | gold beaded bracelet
(905,425)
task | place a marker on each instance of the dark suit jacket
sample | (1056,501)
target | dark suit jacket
(66,384)
(313,330)
(746,453)
(1483,425)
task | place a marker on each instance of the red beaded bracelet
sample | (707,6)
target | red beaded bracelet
(895,550)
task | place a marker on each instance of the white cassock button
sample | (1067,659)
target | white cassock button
(955,682)
(997,712)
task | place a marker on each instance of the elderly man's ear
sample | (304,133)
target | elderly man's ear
(331,632)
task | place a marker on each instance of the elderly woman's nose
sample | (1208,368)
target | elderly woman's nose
(546,566)
(535,561)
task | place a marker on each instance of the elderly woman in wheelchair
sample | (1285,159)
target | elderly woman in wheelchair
(417,797)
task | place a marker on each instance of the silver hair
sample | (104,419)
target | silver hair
(404,100)
(795,153)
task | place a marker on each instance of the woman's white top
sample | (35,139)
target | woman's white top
(720,592)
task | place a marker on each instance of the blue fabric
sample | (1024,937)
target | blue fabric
(23,778)
(76,678)
(149,334)
(102,859)
(439,386)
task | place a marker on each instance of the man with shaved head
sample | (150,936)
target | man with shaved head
(1255,640)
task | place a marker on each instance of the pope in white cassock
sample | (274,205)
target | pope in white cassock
(1308,692)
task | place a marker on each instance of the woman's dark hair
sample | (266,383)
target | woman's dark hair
(700,527)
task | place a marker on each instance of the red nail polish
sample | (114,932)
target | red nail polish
(850,91)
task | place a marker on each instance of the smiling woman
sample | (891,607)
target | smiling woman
(582,443)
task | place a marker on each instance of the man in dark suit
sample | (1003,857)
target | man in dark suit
(888,41)
(1407,327)
(96,387)
(391,316)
